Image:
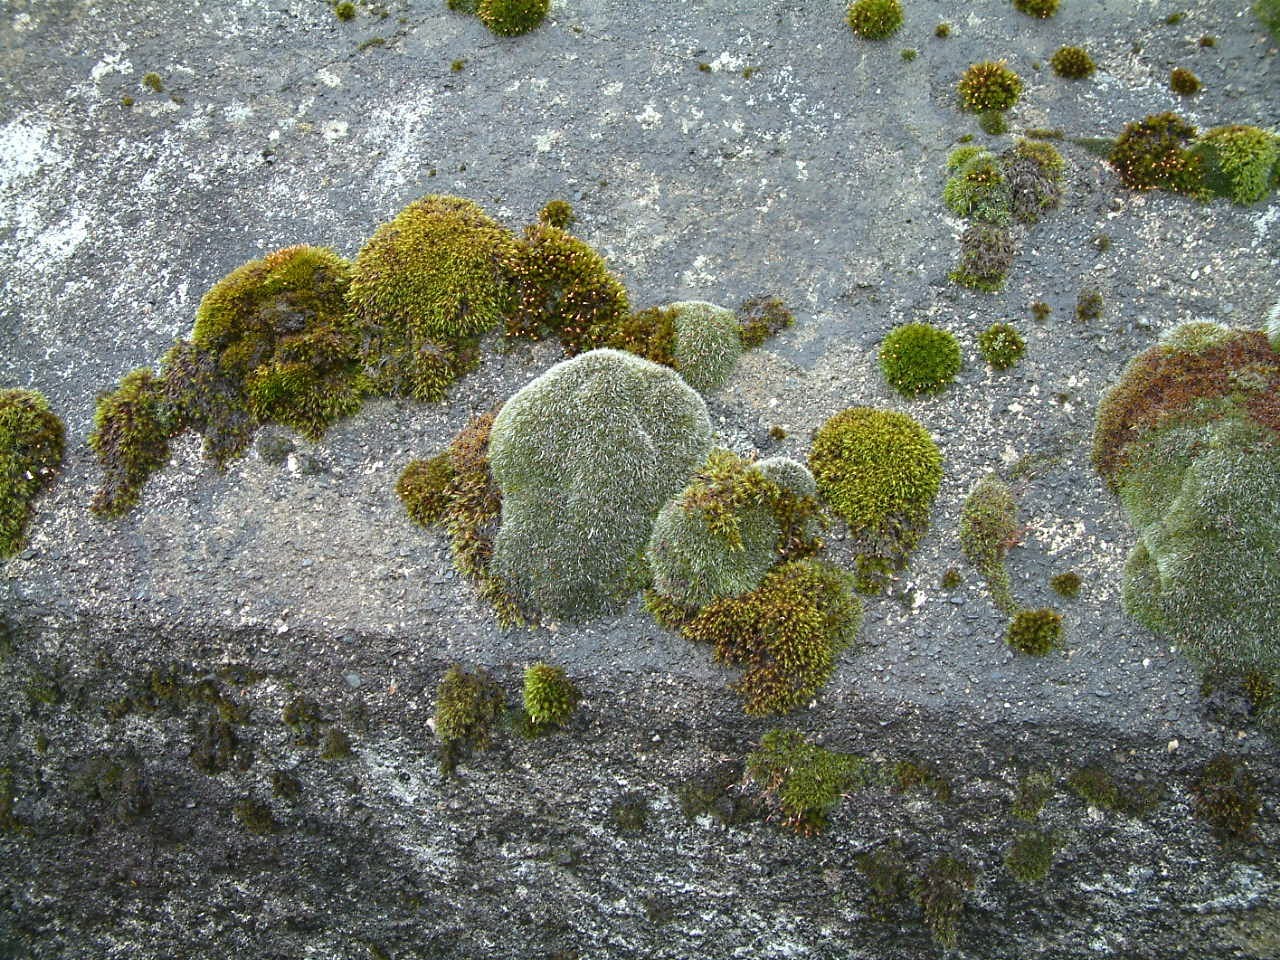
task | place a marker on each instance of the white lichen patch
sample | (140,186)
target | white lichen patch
(649,117)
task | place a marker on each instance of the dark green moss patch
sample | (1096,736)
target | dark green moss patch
(254,816)
(802,783)
(941,892)
(31,446)
(1226,797)
(1066,584)
(1035,632)
(1035,789)
(1031,856)
(989,528)
(630,814)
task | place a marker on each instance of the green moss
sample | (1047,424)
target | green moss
(874,19)
(1152,154)
(1037,8)
(785,634)
(426,488)
(909,54)
(285,786)
(216,747)
(126,101)
(1035,632)
(510,18)
(1268,14)
(131,433)
(31,447)
(988,529)
(345,10)
(1089,304)
(1002,345)
(802,782)
(457,66)
(557,213)
(423,288)
(1183,82)
(630,814)
(1031,856)
(254,816)
(153,82)
(722,533)
(336,746)
(918,359)
(1226,798)
(585,456)
(908,776)
(468,705)
(9,822)
(1072,63)
(889,878)
(977,188)
(1095,787)
(1033,171)
(1035,789)
(942,30)
(464,6)
(1241,163)
(941,891)
(989,85)
(986,256)
(951,579)
(1041,311)
(1066,584)
(879,470)
(761,318)
(993,122)
(564,289)
(115,785)
(550,697)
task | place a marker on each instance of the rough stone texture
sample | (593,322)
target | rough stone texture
(819,179)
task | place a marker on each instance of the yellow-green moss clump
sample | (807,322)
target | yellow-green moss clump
(564,289)
(989,85)
(31,441)
(874,19)
(1002,345)
(455,490)
(1037,8)
(785,634)
(1031,856)
(1189,440)
(468,705)
(424,288)
(1072,63)
(271,344)
(988,529)
(879,470)
(730,526)
(550,697)
(918,359)
(1035,632)
(1226,798)
(698,339)
(584,457)
(510,18)
(802,783)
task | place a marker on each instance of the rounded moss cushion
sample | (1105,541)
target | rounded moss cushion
(707,344)
(585,456)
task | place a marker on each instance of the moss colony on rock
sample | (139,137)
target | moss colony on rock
(1002,345)
(1020,184)
(988,529)
(1189,439)
(1163,152)
(1072,63)
(989,85)
(550,697)
(1035,632)
(1037,8)
(874,19)
(918,359)
(468,705)
(31,441)
(802,782)
(585,456)
(879,470)
(506,18)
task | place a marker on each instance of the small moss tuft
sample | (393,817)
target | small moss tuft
(1035,632)
(457,66)
(1037,8)
(993,122)
(1239,162)
(557,213)
(874,19)
(550,697)
(1183,82)
(131,433)
(254,816)
(1066,584)
(1095,787)
(1031,856)
(345,10)
(988,529)
(1002,345)
(1226,798)
(909,54)
(1041,311)
(942,30)
(802,782)
(153,82)
(511,18)
(941,892)
(1072,63)
(1152,154)
(951,579)
(31,448)
(986,257)
(468,704)
(1089,304)
(989,85)
(1035,789)
(918,359)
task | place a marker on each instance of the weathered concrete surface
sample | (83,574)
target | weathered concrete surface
(819,179)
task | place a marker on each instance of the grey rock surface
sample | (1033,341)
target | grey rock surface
(817,178)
